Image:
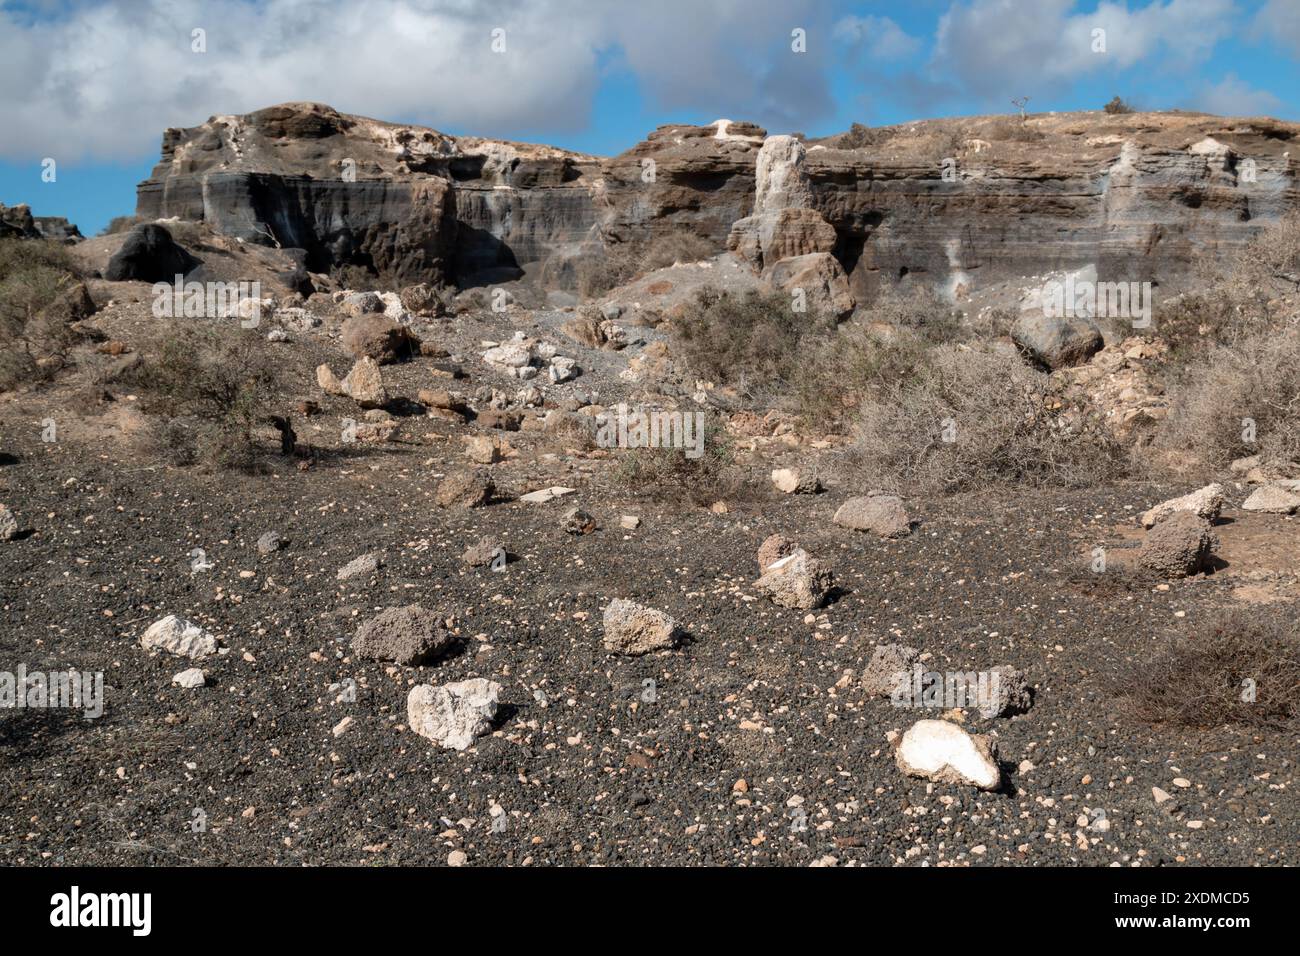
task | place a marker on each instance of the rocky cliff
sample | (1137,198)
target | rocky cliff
(955,203)
(17,222)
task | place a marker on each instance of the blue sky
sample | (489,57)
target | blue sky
(92,84)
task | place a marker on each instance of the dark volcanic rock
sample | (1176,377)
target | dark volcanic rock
(150,254)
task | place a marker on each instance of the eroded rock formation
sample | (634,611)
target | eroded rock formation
(958,204)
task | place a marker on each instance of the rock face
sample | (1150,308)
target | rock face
(405,635)
(17,222)
(1136,196)
(175,635)
(944,753)
(631,628)
(453,715)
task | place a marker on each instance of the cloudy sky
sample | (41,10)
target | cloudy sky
(92,83)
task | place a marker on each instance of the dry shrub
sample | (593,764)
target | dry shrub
(1199,681)
(860,137)
(748,341)
(664,473)
(1007,424)
(1117,107)
(1012,129)
(211,386)
(34,341)
(1236,356)
(838,372)
(1256,378)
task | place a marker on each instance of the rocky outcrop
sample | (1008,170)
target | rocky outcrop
(17,222)
(957,204)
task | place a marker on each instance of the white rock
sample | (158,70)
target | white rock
(178,636)
(546,494)
(453,715)
(190,679)
(511,355)
(1205,502)
(940,751)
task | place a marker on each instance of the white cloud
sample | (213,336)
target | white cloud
(1277,21)
(102,79)
(880,38)
(1234,97)
(1000,48)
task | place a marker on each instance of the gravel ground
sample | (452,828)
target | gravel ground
(746,745)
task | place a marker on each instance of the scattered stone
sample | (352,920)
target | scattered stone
(877,512)
(942,752)
(457,858)
(190,679)
(269,542)
(631,628)
(361,303)
(1012,694)
(366,564)
(175,635)
(1178,546)
(577,521)
(495,418)
(405,635)
(365,384)
(8,524)
(792,482)
(484,552)
(464,489)
(482,450)
(773,549)
(630,522)
(796,581)
(546,494)
(453,715)
(888,661)
(329,382)
(1274,499)
(343,726)
(1204,502)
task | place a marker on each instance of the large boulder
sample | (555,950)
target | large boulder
(821,280)
(1056,341)
(464,489)
(405,635)
(376,336)
(453,715)
(1178,546)
(877,512)
(149,254)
